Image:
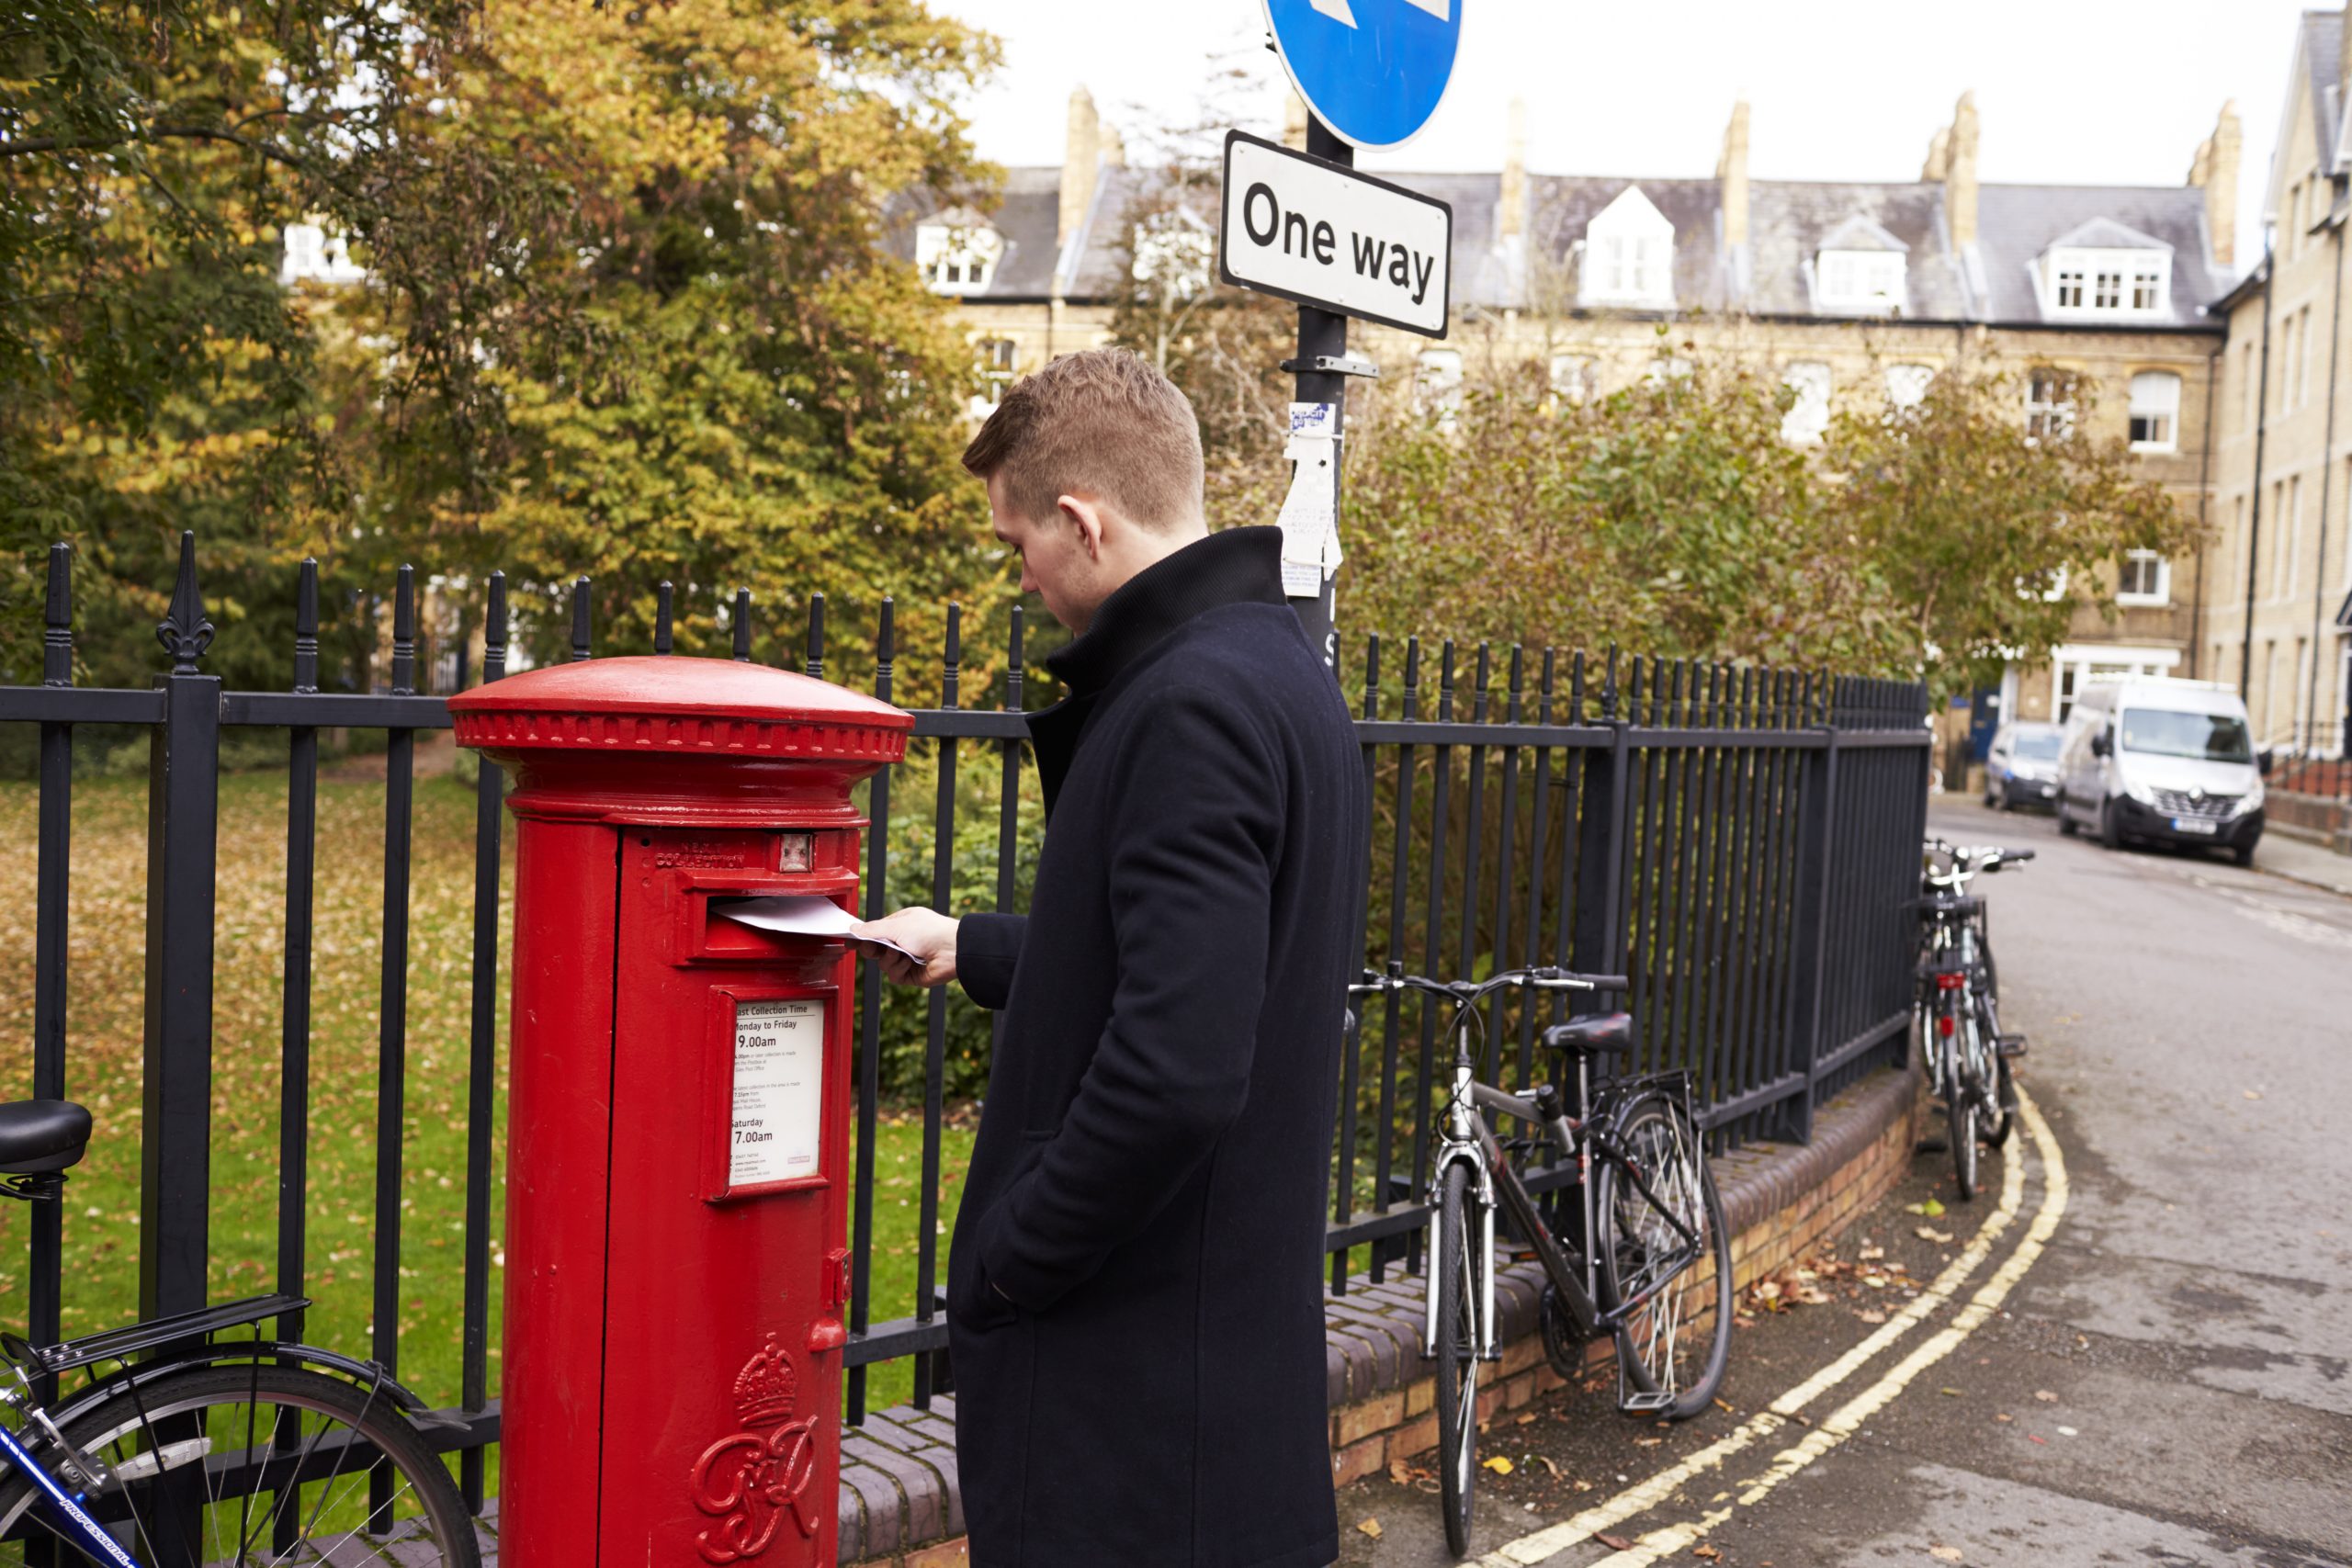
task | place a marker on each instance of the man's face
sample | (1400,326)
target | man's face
(1057,563)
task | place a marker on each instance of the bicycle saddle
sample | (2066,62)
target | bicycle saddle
(1603,1034)
(40,1135)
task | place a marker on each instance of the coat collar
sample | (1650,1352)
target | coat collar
(1237,565)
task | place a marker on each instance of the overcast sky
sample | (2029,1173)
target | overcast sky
(2068,91)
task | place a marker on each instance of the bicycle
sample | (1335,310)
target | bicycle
(1956,1005)
(185,1450)
(1657,1272)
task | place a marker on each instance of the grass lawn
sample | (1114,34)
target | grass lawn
(103,1069)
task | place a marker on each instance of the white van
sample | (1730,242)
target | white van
(2170,761)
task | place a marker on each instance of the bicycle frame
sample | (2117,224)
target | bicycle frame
(1466,1137)
(86,1532)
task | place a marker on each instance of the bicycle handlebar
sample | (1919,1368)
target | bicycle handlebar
(1546,978)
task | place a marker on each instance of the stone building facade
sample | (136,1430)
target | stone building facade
(2278,619)
(1845,289)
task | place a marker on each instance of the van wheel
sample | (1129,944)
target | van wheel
(2243,854)
(2065,823)
(2109,834)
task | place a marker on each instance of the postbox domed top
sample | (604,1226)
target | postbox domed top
(678,706)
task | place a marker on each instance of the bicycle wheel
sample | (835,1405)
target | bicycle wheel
(1673,1346)
(1453,1275)
(252,1466)
(1996,1099)
(1960,1114)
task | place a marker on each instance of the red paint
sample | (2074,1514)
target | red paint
(673,1342)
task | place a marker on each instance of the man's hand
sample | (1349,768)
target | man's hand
(919,931)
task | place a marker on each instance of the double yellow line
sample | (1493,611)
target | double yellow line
(1835,1428)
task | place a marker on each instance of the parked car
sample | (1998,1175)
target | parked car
(2021,767)
(2162,761)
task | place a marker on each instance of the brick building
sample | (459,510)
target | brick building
(2278,620)
(1847,289)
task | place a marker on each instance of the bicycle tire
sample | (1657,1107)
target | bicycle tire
(1651,1352)
(1960,1114)
(1453,1277)
(1993,1105)
(428,1525)
(1996,1131)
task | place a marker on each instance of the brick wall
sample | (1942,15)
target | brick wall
(899,1505)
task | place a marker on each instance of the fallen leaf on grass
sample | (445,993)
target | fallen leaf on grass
(1526,1418)
(1500,1465)
(2003,1417)
(1929,1209)
(1946,1554)
(1647,1442)
(1704,1550)
(1545,1461)
(1870,1253)
(1727,1408)
(2254,1094)
(1873,1316)
(1613,1542)
(1370,1528)
(1930,1232)
(2045,1395)
(1950,1392)
(1581,1485)
(1398,1472)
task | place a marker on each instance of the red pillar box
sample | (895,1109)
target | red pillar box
(677,1272)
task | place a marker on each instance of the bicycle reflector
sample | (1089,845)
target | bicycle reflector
(1951,979)
(1944,1024)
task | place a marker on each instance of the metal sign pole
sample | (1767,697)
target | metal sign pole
(1323,342)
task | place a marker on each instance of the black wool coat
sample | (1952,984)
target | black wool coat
(1135,1298)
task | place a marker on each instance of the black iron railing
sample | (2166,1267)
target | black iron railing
(1738,841)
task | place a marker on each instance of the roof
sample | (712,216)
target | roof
(1790,221)
(2322,55)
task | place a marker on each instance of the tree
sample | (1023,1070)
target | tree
(1986,534)
(629,307)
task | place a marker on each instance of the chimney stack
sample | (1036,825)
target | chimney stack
(1294,120)
(1731,174)
(1510,215)
(1959,148)
(2215,170)
(1080,152)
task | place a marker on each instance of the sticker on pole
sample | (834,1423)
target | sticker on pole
(778,1105)
(1372,70)
(1318,233)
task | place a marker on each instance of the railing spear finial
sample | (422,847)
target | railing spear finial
(184,631)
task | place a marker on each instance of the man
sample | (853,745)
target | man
(1134,1287)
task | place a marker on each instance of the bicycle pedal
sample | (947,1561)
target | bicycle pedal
(2009,1046)
(1636,1404)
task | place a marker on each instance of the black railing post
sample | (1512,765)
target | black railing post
(1601,830)
(481,1070)
(183,779)
(1817,847)
(52,909)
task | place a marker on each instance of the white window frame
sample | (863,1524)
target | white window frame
(2077,277)
(1907,384)
(1808,418)
(2155,408)
(1860,283)
(2085,660)
(2051,416)
(1437,382)
(1575,376)
(2155,598)
(994,360)
(1628,256)
(957,258)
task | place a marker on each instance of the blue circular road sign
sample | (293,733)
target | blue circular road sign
(1372,70)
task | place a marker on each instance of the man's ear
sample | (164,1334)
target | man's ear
(1084,514)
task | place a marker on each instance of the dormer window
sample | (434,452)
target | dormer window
(2105,271)
(1860,270)
(957,256)
(313,255)
(1628,256)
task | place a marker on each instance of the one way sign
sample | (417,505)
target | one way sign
(1322,234)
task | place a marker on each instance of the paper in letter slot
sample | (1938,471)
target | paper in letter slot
(797,914)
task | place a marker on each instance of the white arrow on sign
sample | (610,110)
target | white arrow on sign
(1338,9)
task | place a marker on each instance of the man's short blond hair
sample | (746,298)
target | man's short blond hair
(1101,422)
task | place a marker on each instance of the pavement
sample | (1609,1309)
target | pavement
(2132,1347)
(2300,861)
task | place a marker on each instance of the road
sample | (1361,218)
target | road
(2133,1348)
